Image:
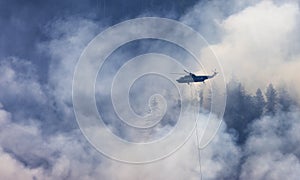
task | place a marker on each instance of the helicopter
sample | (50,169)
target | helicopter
(191,78)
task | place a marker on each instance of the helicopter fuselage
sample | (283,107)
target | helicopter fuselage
(193,78)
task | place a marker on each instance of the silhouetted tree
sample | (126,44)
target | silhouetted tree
(259,103)
(237,113)
(201,99)
(284,100)
(272,100)
(207,100)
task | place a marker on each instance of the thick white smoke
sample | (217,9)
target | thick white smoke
(258,42)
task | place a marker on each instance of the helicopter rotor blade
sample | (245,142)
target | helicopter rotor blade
(186,71)
(178,73)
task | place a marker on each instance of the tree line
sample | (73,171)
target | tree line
(242,107)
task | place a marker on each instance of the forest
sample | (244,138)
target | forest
(242,107)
